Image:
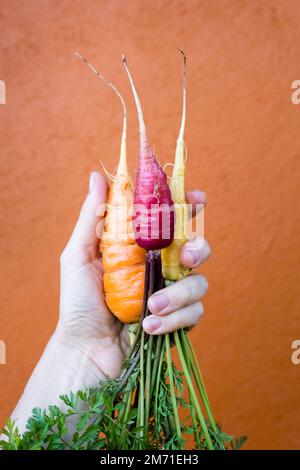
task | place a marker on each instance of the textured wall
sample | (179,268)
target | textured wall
(243,141)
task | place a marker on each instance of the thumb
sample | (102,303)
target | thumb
(84,237)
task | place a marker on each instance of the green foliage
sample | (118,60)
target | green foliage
(91,409)
(106,418)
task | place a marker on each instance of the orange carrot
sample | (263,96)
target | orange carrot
(123,260)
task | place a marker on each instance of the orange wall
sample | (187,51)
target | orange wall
(244,147)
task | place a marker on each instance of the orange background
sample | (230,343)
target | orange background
(244,146)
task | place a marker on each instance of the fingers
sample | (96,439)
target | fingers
(176,306)
(184,292)
(85,235)
(197,250)
(194,252)
(185,317)
(198,199)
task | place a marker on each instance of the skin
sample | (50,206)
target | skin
(89,343)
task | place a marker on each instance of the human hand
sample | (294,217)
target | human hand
(89,343)
(86,324)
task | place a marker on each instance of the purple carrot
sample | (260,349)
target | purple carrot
(153,205)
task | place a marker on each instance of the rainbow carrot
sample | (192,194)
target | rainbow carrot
(173,270)
(123,260)
(171,265)
(154,210)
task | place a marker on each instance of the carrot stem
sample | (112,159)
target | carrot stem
(192,392)
(172,387)
(127,399)
(198,379)
(201,387)
(148,381)
(189,365)
(158,378)
(145,368)
(159,284)
(156,362)
(141,403)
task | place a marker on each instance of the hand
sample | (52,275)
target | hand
(89,343)
(85,322)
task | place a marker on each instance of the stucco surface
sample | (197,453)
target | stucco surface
(243,150)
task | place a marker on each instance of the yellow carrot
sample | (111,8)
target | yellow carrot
(171,265)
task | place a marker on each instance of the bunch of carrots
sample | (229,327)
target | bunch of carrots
(148,396)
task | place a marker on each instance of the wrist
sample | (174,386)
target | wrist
(70,360)
(63,368)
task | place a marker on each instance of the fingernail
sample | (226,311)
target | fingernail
(194,256)
(92,183)
(151,323)
(197,196)
(158,302)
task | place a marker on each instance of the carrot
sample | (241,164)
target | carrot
(171,265)
(154,230)
(154,211)
(173,270)
(123,260)
(146,359)
(142,409)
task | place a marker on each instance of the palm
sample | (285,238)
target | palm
(85,318)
